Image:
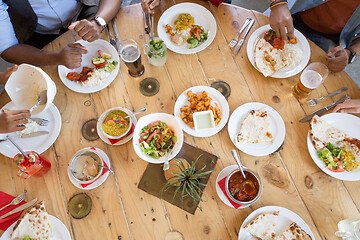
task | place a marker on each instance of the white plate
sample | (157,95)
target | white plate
(286,217)
(286,71)
(121,142)
(226,171)
(174,125)
(101,179)
(59,230)
(217,97)
(38,144)
(347,123)
(277,127)
(202,17)
(92,49)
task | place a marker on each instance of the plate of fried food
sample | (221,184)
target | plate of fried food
(276,57)
(273,222)
(202,111)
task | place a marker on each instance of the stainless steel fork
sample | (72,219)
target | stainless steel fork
(16,200)
(236,38)
(315,101)
(112,40)
(41,121)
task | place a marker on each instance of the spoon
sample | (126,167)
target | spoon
(101,165)
(17,146)
(137,112)
(42,99)
(233,152)
(166,163)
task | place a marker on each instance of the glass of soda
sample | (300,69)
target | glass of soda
(130,54)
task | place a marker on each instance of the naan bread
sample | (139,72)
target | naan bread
(293,232)
(35,224)
(255,128)
(268,59)
(263,226)
(322,133)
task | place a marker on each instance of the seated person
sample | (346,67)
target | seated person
(349,106)
(28,25)
(12,120)
(334,25)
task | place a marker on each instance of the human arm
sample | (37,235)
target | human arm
(349,106)
(280,17)
(341,56)
(149,5)
(90,30)
(13,120)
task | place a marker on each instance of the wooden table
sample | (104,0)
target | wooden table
(122,211)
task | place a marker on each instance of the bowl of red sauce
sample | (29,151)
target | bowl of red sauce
(243,191)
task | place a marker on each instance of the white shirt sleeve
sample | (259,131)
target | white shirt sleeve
(7,34)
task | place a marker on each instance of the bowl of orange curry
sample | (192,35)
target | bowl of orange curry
(114,123)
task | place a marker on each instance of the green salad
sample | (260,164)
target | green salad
(197,36)
(156,139)
(338,159)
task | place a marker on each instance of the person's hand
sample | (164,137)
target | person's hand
(149,5)
(87,30)
(13,120)
(340,60)
(280,17)
(71,55)
(4,76)
(349,106)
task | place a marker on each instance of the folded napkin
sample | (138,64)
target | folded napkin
(113,141)
(221,184)
(104,171)
(5,199)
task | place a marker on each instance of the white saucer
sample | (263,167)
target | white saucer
(98,182)
(226,171)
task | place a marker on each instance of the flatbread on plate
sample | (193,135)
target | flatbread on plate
(293,232)
(263,226)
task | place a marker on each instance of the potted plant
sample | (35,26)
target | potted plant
(186,180)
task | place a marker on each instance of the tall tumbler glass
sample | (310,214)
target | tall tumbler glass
(130,54)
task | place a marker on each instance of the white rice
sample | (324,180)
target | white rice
(30,127)
(96,79)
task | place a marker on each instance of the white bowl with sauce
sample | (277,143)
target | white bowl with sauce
(203,120)
(102,118)
(83,168)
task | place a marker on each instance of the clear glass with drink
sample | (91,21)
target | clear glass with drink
(349,229)
(130,54)
(311,78)
(35,165)
(156,51)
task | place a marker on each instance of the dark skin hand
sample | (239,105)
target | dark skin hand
(11,121)
(341,56)
(281,20)
(149,5)
(90,30)
(71,55)
(4,76)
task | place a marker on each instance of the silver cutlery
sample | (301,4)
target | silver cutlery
(236,38)
(116,34)
(324,109)
(34,134)
(240,43)
(42,100)
(20,208)
(146,25)
(16,200)
(315,101)
(17,146)
(104,167)
(40,121)
(112,41)
(235,156)
(152,27)
(137,112)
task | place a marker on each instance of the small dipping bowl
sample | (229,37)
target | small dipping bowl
(255,177)
(94,155)
(203,120)
(103,116)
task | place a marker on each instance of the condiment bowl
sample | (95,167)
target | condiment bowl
(89,152)
(248,203)
(102,117)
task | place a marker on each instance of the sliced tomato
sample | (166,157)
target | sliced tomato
(141,140)
(153,124)
(99,52)
(144,133)
(339,169)
(99,65)
(151,136)
(336,159)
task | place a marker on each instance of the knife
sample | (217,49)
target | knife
(20,208)
(116,34)
(34,134)
(325,109)
(240,43)
(147,30)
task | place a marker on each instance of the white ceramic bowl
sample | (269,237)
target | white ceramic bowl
(25,85)
(92,153)
(172,122)
(101,119)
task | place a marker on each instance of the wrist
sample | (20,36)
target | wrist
(97,26)
(276,3)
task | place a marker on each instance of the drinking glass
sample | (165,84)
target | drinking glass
(157,57)
(130,54)
(311,78)
(349,229)
(35,165)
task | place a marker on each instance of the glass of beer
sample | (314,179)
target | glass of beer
(311,78)
(130,54)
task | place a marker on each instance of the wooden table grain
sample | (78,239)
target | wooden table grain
(122,211)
